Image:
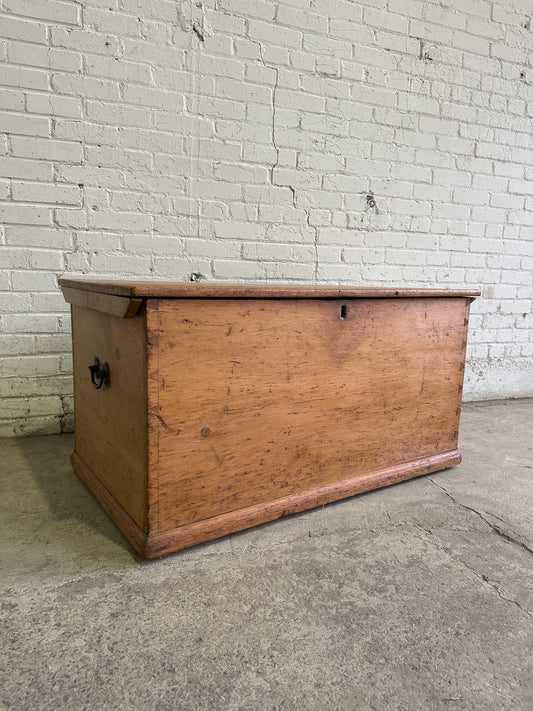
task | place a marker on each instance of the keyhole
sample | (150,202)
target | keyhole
(343,311)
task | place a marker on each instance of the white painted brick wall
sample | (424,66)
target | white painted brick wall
(239,140)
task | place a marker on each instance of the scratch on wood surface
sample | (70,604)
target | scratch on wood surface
(162,422)
(216,456)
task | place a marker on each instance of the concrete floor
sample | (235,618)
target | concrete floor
(418,596)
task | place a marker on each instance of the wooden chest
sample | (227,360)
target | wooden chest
(204,409)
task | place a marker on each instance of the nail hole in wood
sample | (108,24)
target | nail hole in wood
(343,311)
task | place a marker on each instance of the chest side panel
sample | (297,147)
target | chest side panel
(259,399)
(110,423)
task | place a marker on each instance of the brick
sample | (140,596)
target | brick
(259,8)
(46,259)
(224,22)
(23,77)
(103,158)
(109,20)
(470,197)
(297,233)
(245,270)
(45,57)
(61,151)
(436,125)
(355,32)
(221,66)
(55,105)
(54,193)
(291,272)
(249,93)
(34,281)
(277,252)
(301,18)
(20,29)
(12,213)
(30,426)
(17,346)
(241,173)
(327,46)
(266,32)
(29,366)
(124,221)
(237,230)
(127,264)
(386,20)
(88,87)
(432,192)
(75,130)
(510,54)
(12,100)
(51,10)
(523,187)
(117,114)
(12,302)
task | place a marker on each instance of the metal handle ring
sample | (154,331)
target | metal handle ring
(99,375)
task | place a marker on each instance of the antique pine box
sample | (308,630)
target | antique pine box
(204,409)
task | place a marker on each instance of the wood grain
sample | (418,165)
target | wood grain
(111,423)
(211,290)
(155,423)
(123,307)
(260,400)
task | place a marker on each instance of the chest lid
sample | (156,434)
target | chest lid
(216,290)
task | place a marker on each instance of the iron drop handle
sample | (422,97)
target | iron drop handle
(99,375)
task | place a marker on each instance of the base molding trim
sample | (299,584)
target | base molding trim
(159,544)
(175,539)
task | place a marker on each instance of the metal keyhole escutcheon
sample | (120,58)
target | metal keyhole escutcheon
(99,375)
